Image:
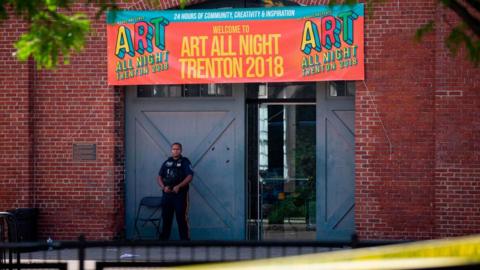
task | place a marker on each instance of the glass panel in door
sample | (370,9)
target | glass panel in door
(286,171)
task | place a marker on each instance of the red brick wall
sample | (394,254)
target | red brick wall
(417,130)
(15,122)
(395,136)
(73,104)
(38,126)
(457,137)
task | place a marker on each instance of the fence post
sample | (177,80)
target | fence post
(354,240)
(81,252)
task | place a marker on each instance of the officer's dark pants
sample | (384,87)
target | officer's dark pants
(175,203)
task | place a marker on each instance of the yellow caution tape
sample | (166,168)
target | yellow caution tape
(417,255)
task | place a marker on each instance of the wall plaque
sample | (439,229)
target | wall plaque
(84,152)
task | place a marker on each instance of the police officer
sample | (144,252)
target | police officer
(174,178)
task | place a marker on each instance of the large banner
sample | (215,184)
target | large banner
(312,43)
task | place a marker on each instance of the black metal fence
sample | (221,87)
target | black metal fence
(99,255)
(15,253)
(112,254)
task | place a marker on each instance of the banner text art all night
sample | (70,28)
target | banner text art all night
(231,56)
(250,45)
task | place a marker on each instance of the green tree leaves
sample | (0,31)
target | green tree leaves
(54,32)
(52,35)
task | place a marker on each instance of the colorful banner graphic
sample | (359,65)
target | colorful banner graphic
(313,43)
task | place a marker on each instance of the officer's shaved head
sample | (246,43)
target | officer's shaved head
(177,143)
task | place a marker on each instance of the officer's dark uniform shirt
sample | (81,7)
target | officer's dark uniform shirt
(174,171)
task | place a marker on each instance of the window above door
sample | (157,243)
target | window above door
(290,91)
(184,90)
(341,89)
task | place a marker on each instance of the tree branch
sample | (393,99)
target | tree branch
(463,13)
(475,4)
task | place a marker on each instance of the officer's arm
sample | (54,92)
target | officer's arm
(185,181)
(160,182)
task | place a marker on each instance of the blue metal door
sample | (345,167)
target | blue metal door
(335,162)
(211,130)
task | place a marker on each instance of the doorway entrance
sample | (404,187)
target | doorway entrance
(300,161)
(271,161)
(286,164)
(282,161)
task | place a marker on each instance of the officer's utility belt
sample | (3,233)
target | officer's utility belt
(172,182)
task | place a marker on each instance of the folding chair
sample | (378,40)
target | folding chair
(8,233)
(149,212)
(8,227)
